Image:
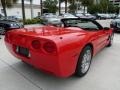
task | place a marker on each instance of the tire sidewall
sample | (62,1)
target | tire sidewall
(79,64)
(110,40)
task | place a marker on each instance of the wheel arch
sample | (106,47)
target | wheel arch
(86,45)
(91,45)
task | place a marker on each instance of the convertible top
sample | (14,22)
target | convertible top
(86,19)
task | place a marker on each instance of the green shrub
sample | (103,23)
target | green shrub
(33,21)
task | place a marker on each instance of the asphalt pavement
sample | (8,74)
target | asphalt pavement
(104,73)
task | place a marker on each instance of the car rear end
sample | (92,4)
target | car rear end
(45,52)
(39,52)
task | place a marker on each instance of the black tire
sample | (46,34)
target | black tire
(110,39)
(79,69)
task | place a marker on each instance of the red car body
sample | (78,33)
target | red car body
(52,49)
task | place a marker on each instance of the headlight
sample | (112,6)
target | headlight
(12,25)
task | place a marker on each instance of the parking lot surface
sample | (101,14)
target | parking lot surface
(104,73)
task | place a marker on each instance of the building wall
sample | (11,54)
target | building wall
(17,10)
(115,2)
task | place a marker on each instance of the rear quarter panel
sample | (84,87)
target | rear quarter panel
(71,46)
(69,51)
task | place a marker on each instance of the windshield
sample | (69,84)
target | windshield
(79,14)
(68,15)
(87,14)
(82,23)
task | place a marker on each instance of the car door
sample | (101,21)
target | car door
(97,40)
(98,34)
(100,37)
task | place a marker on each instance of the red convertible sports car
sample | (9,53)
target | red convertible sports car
(62,51)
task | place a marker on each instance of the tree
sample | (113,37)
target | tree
(51,5)
(66,1)
(31,7)
(117,9)
(59,5)
(4,7)
(73,6)
(111,8)
(7,4)
(23,11)
(104,5)
(66,6)
(86,3)
(41,6)
(93,9)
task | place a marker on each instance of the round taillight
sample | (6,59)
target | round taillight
(36,44)
(49,47)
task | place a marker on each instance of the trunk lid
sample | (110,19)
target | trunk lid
(25,36)
(46,31)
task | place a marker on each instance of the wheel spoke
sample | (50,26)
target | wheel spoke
(86,61)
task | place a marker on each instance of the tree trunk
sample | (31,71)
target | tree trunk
(23,11)
(77,6)
(59,7)
(84,10)
(65,6)
(41,7)
(31,7)
(4,7)
(74,4)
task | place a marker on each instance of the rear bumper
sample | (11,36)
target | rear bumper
(57,65)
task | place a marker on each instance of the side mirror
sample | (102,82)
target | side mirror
(106,28)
